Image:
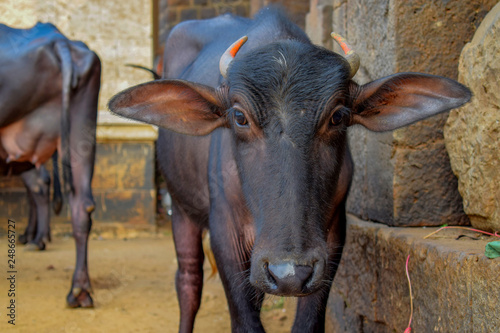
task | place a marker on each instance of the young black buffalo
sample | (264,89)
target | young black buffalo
(259,156)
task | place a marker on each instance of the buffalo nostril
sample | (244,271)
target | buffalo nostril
(289,277)
(303,273)
(281,271)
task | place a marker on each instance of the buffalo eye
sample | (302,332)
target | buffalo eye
(336,118)
(240,119)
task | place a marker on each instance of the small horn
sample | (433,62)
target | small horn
(351,56)
(229,55)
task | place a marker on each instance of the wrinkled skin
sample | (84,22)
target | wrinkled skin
(48,91)
(260,157)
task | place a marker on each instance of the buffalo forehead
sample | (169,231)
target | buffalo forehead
(289,79)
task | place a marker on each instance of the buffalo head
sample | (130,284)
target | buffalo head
(288,105)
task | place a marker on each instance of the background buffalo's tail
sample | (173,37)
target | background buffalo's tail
(64,54)
(207,249)
(57,199)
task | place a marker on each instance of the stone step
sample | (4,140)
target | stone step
(455,287)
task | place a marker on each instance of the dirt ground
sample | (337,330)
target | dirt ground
(132,276)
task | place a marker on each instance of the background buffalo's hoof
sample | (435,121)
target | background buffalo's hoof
(57,204)
(33,246)
(81,300)
(22,239)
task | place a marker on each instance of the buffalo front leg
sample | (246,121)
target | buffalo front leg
(29,233)
(311,310)
(233,263)
(189,277)
(37,182)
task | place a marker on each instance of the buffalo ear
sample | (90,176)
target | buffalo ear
(177,105)
(402,99)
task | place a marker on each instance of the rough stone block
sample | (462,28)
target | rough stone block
(188,14)
(242,10)
(425,188)
(371,193)
(200,2)
(128,206)
(371,29)
(172,3)
(452,282)
(371,196)
(473,132)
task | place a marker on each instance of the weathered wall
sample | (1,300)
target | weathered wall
(296,9)
(172,12)
(472,132)
(369,27)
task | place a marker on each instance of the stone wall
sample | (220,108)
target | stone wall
(452,282)
(296,9)
(172,12)
(404,177)
(472,132)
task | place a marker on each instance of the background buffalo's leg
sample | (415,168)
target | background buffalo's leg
(82,146)
(82,205)
(57,199)
(37,182)
(29,233)
(189,276)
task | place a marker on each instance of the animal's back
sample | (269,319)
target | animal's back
(22,53)
(30,117)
